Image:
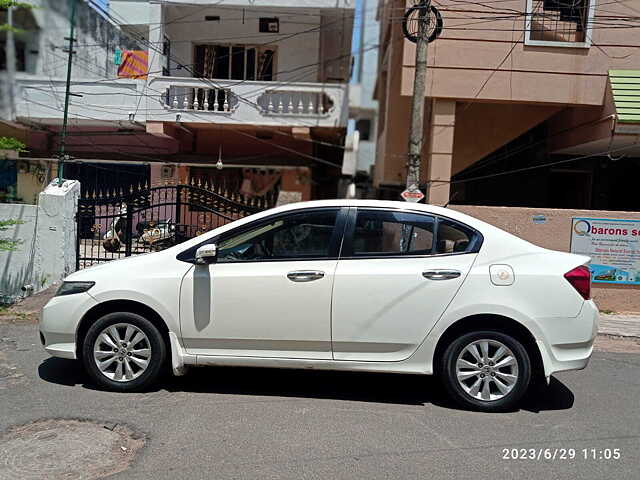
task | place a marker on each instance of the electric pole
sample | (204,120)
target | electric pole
(416,127)
(430,25)
(11,66)
(63,134)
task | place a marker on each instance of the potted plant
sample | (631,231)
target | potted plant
(10,148)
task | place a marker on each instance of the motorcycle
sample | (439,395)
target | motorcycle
(156,235)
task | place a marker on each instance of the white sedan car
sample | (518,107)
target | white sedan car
(341,285)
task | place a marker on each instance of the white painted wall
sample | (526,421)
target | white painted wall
(96,36)
(16,268)
(97,39)
(348,4)
(294,52)
(46,253)
(135,12)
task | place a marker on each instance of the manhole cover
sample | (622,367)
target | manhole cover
(67,449)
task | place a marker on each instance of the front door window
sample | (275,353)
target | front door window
(293,237)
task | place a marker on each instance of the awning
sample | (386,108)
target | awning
(625,85)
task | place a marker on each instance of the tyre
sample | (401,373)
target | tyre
(486,370)
(124,352)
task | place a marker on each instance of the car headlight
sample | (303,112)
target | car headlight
(69,288)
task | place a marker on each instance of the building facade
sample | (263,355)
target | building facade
(41,65)
(363,108)
(532,121)
(259,89)
(516,85)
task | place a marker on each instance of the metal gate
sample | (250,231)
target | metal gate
(119,224)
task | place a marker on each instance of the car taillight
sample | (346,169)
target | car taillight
(580,279)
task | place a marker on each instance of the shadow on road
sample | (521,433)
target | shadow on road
(63,372)
(353,386)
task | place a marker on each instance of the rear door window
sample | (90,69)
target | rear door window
(390,233)
(453,237)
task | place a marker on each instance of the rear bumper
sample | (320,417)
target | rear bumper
(59,321)
(568,342)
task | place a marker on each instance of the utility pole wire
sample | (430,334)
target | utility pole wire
(67,94)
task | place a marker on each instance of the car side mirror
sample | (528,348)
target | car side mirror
(207,254)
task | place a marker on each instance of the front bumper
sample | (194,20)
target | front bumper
(568,342)
(59,322)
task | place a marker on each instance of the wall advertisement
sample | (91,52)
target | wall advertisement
(612,244)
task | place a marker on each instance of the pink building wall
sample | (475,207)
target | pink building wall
(501,85)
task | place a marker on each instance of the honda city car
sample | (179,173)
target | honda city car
(358,285)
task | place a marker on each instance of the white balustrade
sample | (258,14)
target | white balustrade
(204,99)
(184,99)
(251,102)
(296,103)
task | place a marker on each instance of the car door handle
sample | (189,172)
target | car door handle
(305,275)
(440,274)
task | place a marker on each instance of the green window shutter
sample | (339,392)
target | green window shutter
(625,85)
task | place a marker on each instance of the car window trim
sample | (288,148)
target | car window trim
(474,246)
(335,243)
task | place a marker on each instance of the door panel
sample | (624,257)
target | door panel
(384,308)
(256,310)
(397,273)
(269,293)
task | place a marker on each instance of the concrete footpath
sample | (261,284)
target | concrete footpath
(620,325)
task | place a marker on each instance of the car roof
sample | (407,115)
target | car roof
(497,236)
(365,203)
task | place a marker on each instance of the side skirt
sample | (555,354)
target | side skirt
(406,366)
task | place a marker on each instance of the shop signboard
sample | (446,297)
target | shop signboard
(612,244)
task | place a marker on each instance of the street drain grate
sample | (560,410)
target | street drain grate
(67,450)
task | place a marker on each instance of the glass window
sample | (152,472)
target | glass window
(235,62)
(379,232)
(453,237)
(363,125)
(296,236)
(559,21)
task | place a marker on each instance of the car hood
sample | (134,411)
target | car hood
(117,267)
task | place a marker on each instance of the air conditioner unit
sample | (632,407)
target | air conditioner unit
(269,25)
(166,172)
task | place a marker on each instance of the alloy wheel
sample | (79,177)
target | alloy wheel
(122,352)
(487,370)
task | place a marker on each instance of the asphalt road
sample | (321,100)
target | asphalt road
(261,423)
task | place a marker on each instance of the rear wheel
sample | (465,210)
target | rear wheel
(124,352)
(486,370)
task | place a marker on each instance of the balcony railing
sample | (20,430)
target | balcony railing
(206,99)
(260,103)
(172,99)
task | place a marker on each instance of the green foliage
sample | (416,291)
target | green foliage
(4,4)
(7,28)
(5,243)
(10,143)
(14,3)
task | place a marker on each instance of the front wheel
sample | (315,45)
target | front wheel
(486,370)
(124,352)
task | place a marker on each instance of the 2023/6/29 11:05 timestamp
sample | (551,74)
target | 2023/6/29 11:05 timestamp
(561,453)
